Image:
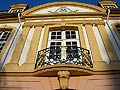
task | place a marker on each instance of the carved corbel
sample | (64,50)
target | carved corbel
(63,77)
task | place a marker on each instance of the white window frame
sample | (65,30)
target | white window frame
(63,40)
(4,41)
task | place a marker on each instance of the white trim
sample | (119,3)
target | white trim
(108,15)
(26,47)
(113,32)
(117,50)
(1,35)
(13,44)
(41,39)
(66,19)
(86,38)
(63,39)
(86,41)
(101,45)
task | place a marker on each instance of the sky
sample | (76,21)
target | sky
(5,4)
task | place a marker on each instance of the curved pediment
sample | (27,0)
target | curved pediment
(63,7)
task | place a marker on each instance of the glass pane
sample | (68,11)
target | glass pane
(73,36)
(6,33)
(67,32)
(53,37)
(68,43)
(3,37)
(1,46)
(72,32)
(53,33)
(67,36)
(74,43)
(52,44)
(58,33)
(58,37)
(58,43)
(54,50)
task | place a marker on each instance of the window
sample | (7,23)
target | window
(3,38)
(65,41)
(56,35)
(109,7)
(63,38)
(70,34)
(118,28)
(16,10)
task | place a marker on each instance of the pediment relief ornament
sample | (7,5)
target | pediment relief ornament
(63,9)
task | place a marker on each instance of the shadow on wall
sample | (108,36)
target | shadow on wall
(113,76)
(2,79)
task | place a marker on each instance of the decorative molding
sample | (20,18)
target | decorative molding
(63,10)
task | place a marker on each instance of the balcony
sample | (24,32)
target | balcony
(67,58)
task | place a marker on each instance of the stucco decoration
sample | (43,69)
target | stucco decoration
(63,77)
(63,9)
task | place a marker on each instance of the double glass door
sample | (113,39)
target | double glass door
(63,44)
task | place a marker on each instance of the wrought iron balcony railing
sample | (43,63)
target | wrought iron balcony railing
(63,55)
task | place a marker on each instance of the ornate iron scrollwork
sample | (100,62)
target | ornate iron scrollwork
(72,55)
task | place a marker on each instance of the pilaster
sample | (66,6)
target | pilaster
(81,36)
(20,44)
(34,45)
(107,43)
(93,43)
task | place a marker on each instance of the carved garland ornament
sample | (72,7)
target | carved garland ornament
(63,9)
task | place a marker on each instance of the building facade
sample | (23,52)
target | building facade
(60,46)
